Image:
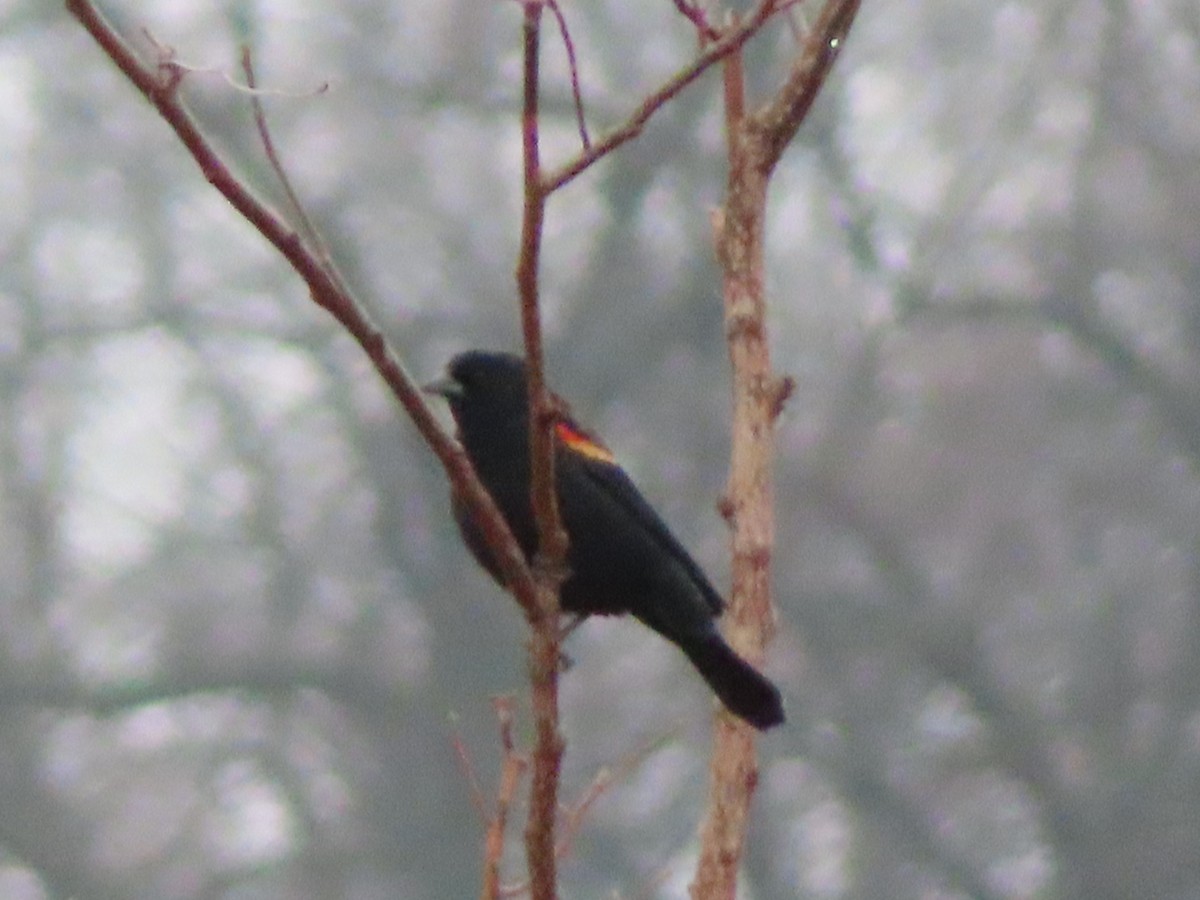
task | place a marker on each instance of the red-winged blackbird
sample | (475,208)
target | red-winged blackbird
(621,555)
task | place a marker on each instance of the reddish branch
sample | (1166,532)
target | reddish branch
(510,776)
(309,232)
(573,67)
(699,18)
(549,568)
(755,144)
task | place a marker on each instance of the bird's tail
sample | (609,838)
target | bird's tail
(741,687)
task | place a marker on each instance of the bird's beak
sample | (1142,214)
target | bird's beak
(444,387)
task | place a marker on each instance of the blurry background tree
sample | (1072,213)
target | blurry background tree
(238,631)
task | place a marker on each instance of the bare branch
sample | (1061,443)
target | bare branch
(605,778)
(633,126)
(513,768)
(695,14)
(569,44)
(159,83)
(754,144)
(740,243)
(468,769)
(309,231)
(549,568)
(775,124)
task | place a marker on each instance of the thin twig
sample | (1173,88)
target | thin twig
(468,769)
(733,84)
(694,14)
(513,768)
(166,52)
(308,230)
(605,777)
(576,94)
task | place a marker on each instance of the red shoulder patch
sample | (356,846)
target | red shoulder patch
(585,445)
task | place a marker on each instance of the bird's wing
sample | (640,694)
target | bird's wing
(601,468)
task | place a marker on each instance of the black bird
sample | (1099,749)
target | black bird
(622,557)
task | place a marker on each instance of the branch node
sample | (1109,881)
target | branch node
(726,507)
(781,391)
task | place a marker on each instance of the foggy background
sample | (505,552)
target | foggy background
(238,634)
